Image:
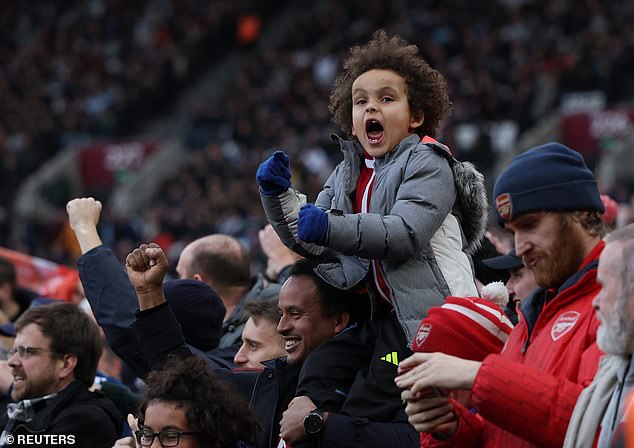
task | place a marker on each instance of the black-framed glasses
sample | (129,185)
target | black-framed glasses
(167,437)
(24,351)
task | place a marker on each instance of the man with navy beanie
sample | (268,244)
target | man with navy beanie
(549,177)
(548,198)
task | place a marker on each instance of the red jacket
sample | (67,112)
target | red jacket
(531,388)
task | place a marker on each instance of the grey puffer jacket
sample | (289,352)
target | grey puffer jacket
(411,229)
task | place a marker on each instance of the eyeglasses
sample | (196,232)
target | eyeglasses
(25,351)
(168,437)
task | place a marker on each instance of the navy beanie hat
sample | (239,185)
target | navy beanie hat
(198,309)
(550,177)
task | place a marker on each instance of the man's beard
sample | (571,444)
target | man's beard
(616,334)
(559,261)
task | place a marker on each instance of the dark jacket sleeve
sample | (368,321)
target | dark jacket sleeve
(158,334)
(113,302)
(342,431)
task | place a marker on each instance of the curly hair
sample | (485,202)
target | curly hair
(211,408)
(426,87)
(590,220)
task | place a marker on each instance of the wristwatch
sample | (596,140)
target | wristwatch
(314,421)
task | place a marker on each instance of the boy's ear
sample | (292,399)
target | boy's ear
(416,122)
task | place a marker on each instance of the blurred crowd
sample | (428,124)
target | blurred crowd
(505,61)
(97,69)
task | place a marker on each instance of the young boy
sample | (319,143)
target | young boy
(399,211)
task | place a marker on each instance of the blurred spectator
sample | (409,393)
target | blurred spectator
(260,339)
(279,258)
(13,299)
(599,414)
(222,262)
(611,211)
(520,284)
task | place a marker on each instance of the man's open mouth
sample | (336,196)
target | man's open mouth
(290,343)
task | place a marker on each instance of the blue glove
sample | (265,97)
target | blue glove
(312,225)
(274,174)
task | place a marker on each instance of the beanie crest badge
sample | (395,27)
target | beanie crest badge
(505,206)
(564,324)
(422,334)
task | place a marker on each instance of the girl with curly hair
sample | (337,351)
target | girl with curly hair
(186,405)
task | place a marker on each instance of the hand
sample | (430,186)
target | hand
(146,268)
(312,225)
(292,423)
(422,371)
(503,246)
(274,174)
(431,414)
(133,423)
(129,442)
(278,256)
(83,217)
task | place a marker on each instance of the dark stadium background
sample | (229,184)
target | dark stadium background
(164,109)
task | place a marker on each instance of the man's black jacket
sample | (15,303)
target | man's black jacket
(91,418)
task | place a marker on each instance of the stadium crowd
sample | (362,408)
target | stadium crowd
(81,70)
(513,62)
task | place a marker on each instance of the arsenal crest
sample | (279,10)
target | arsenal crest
(505,206)
(564,324)
(422,334)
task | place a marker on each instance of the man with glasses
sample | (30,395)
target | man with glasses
(53,363)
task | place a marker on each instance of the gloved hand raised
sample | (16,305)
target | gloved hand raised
(274,174)
(312,225)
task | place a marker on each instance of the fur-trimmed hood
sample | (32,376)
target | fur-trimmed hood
(472,196)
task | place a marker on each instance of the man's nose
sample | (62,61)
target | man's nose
(282,326)
(13,359)
(240,358)
(521,244)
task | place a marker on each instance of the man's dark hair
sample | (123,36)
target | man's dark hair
(333,299)
(7,272)
(426,87)
(211,408)
(222,260)
(266,309)
(70,331)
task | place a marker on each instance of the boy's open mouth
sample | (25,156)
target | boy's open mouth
(374,131)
